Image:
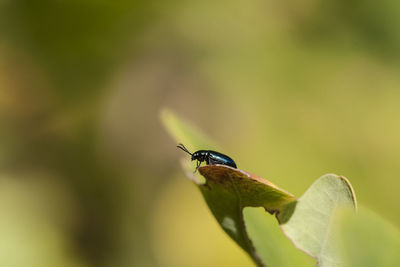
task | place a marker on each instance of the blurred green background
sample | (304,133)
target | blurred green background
(291,90)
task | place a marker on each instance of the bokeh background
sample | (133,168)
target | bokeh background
(291,90)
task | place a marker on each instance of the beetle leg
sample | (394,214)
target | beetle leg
(198,166)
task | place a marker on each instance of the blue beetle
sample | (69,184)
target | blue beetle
(209,156)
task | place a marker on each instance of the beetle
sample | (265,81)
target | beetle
(209,156)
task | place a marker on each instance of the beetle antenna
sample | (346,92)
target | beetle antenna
(181,146)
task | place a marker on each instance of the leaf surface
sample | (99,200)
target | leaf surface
(228,190)
(306,221)
(309,227)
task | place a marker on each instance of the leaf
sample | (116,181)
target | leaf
(228,190)
(185,133)
(309,227)
(365,239)
(273,246)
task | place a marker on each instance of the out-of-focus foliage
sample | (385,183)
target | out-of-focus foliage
(313,84)
(366,239)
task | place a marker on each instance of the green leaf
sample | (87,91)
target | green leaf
(273,246)
(365,239)
(183,132)
(228,190)
(309,227)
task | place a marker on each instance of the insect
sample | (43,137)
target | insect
(209,156)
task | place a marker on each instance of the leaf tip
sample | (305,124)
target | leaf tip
(350,187)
